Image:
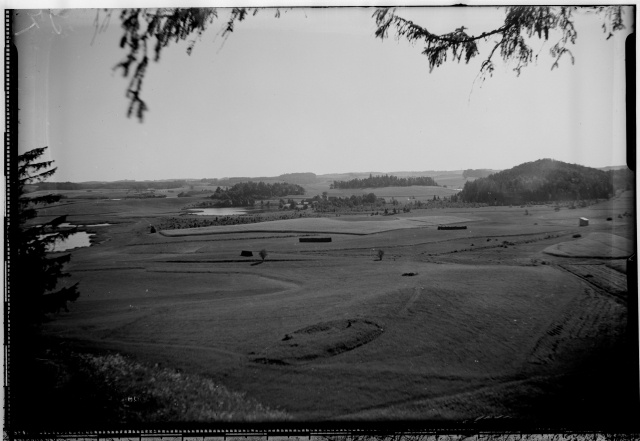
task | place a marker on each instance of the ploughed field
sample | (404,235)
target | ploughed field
(486,321)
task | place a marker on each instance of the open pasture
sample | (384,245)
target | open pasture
(447,325)
(361,225)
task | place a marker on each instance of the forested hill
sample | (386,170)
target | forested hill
(540,181)
(384,181)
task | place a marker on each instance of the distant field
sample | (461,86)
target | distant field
(447,325)
(323,225)
(107,193)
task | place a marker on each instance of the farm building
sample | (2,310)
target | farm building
(584,222)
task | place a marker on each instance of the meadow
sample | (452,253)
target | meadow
(454,325)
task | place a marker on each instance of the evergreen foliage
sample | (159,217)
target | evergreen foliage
(539,181)
(246,193)
(333,203)
(147,32)
(33,288)
(511,40)
(35,275)
(384,181)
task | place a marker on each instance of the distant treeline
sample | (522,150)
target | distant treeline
(477,173)
(384,181)
(539,181)
(245,194)
(117,185)
(323,204)
(294,178)
(175,223)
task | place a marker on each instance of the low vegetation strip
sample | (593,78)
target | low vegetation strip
(321,225)
(138,392)
(175,223)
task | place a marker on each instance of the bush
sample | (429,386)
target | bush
(152,229)
(380,254)
(263,254)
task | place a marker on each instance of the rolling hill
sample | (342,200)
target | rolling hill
(538,181)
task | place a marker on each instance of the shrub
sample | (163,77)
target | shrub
(152,229)
(263,254)
(577,235)
(380,254)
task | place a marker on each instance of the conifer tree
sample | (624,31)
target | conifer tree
(148,31)
(35,274)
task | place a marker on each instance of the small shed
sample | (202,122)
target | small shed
(584,222)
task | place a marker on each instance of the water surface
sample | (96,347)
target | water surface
(78,239)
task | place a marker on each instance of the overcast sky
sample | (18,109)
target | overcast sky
(312,91)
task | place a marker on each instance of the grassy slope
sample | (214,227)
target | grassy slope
(469,335)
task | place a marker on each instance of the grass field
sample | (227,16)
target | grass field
(402,194)
(453,325)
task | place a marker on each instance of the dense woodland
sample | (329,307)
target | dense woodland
(540,181)
(245,194)
(384,181)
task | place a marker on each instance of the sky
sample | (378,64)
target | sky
(312,91)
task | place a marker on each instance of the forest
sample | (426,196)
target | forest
(540,181)
(384,181)
(244,194)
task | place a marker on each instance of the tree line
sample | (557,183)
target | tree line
(116,185)
(476,173)
(384,181)
(245,194)
(332,203)
(540,181)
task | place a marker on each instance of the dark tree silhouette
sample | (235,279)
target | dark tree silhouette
(148,31)
(540,181)
(521,23)
(33,290)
